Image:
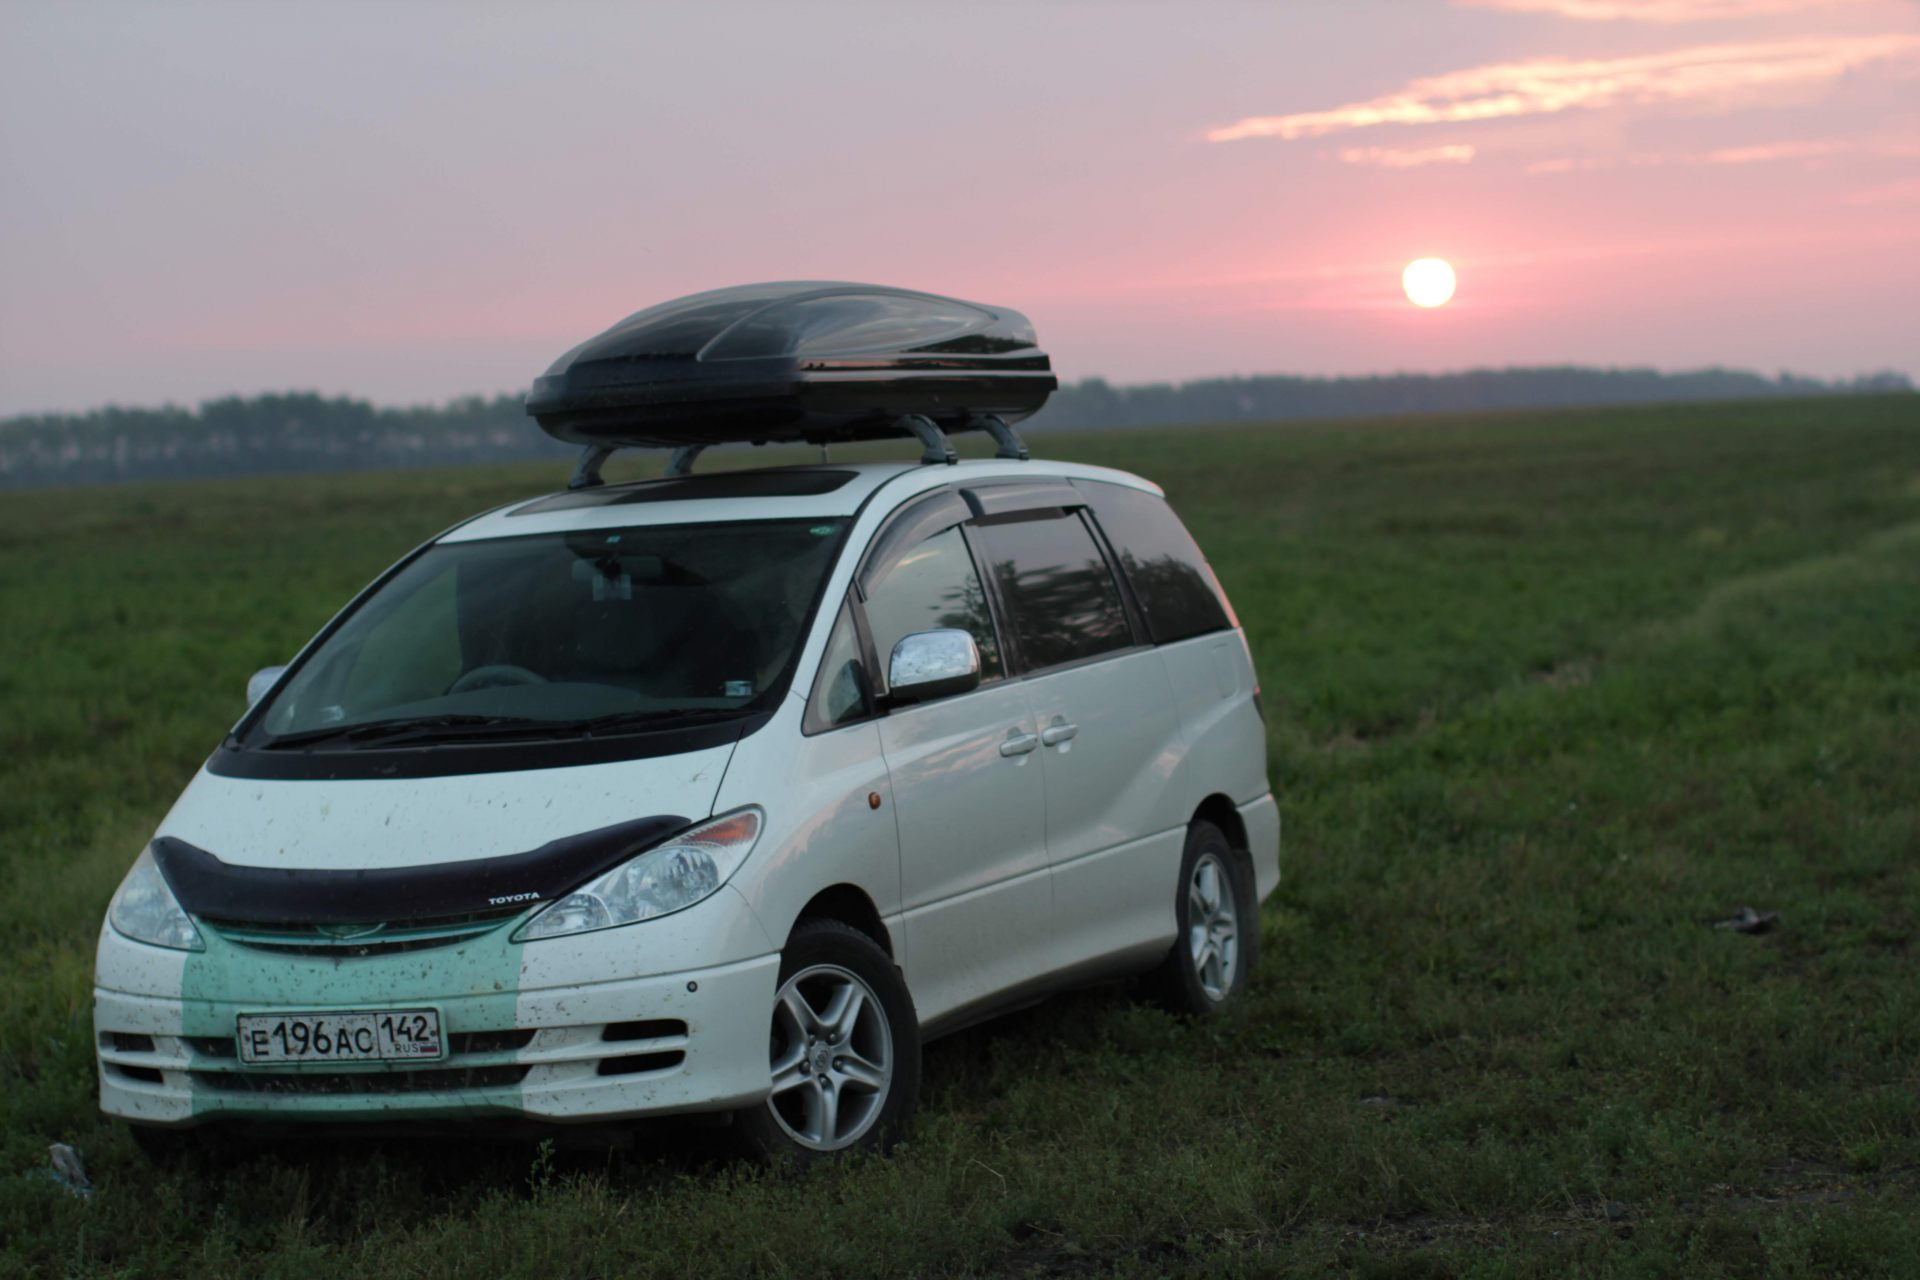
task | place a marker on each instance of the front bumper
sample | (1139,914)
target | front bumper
(530,1033)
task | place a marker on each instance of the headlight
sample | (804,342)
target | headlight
(145,909)
(662,880)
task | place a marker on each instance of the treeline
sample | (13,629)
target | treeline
(1274,398)
(309,432)
(297,431)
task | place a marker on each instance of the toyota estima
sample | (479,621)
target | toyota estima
(718,792)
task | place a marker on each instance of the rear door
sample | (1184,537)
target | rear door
(1110,739)
(1215,694)
(969,798)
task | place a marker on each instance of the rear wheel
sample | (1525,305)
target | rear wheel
(843,1049)
(1219,927)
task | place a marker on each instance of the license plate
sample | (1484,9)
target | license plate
(381,1035)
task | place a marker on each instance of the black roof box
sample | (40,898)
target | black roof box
(793,361)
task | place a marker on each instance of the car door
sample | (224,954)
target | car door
(1110,738)
(969,798)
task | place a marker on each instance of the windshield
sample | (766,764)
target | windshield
(563,634)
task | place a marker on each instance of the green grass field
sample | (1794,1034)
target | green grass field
(1548,694)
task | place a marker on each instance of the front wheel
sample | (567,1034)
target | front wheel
(843,1049)
(1219,926)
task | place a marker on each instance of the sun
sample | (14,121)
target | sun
(1428,281)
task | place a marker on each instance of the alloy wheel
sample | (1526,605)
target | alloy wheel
(1213,927)
(832,1057)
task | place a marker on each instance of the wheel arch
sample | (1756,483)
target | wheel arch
(1224,814)
(851,906)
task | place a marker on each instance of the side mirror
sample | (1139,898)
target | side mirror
(262,680)
(933,664)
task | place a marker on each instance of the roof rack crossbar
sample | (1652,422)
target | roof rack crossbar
(586,472)
(681,463)
(939,449)
(1011,445)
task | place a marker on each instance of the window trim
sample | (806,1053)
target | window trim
(925,517)
(1012,496)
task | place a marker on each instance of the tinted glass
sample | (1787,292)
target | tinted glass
(840,690)
(663,622)
(930,587)
(1061,601)
(1171,579)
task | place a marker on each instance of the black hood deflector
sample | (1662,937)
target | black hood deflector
(206,886)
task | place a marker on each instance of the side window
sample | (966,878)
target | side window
(1061,600)
(840,690)
(933,586)
(1171,579)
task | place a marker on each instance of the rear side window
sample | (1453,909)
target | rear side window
(1170,578)
(1061,600)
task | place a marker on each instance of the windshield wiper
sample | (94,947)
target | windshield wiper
(469,728)
(412,727)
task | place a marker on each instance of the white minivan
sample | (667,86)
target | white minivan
(715,793)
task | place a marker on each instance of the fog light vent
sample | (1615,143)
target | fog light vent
(489,1041)
(651,1029)
(634,1064)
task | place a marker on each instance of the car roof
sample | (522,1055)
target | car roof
(770,493)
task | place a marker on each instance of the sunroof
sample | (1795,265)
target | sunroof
(773,483)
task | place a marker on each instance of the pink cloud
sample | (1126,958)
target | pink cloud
(1407,157)
(1811,150)
(1548,86)
(1660,11)
(1762,153)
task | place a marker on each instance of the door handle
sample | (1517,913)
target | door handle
(1057,733)
(1018,744)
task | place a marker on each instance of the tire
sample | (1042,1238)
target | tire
(1211,959)
(844,1050)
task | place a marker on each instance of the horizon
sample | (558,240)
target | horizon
(200,200)
(1781,378)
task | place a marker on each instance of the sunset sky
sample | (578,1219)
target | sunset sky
(409,201)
